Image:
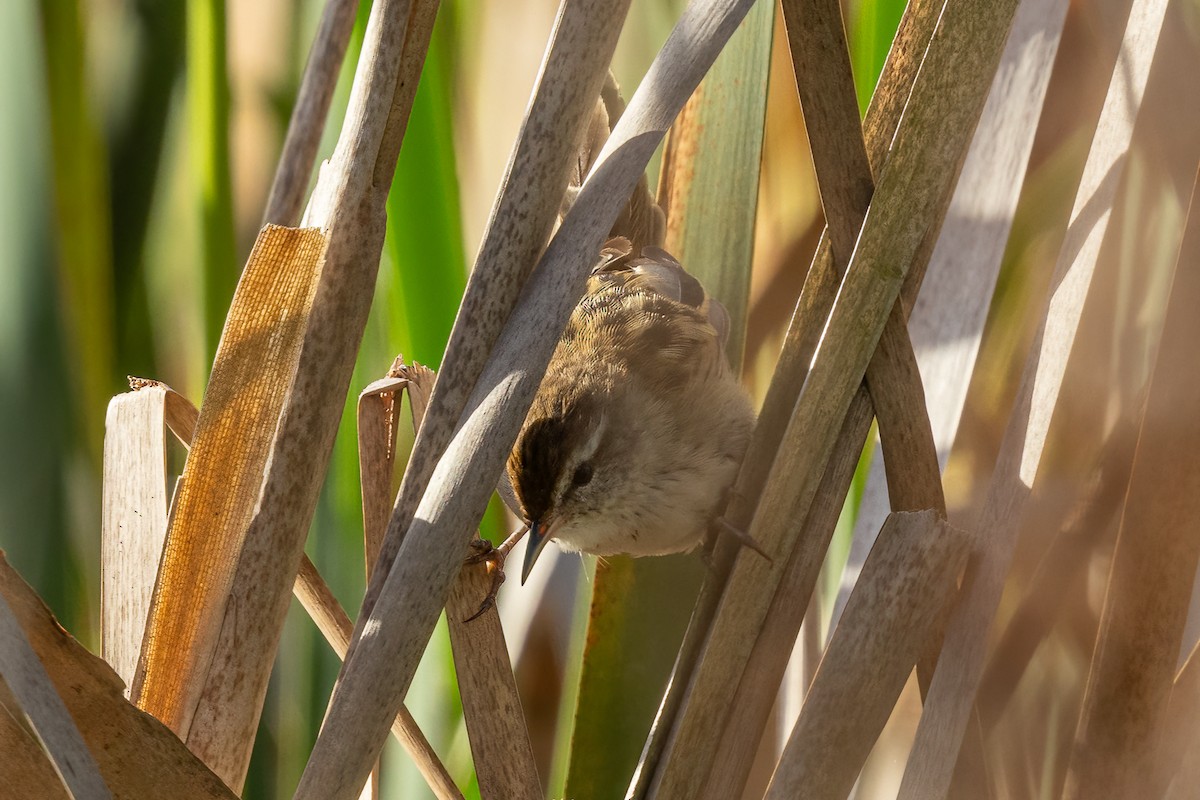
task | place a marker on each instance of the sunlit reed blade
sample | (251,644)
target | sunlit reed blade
(952,693)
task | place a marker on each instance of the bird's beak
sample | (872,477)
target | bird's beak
(533,548)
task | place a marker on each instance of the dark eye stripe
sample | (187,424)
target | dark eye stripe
(582,476)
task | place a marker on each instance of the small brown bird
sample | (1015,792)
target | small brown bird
(637,430)
(639,426)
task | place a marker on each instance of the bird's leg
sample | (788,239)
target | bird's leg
(487,553)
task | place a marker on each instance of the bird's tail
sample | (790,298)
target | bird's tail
(642,221)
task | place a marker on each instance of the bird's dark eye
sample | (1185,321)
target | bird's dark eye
(583,475)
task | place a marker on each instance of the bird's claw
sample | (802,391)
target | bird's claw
(493,557)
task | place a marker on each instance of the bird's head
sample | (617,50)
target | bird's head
(564,467)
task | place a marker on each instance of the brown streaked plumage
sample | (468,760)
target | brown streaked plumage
(637,430)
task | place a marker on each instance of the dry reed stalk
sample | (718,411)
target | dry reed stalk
(307,122)
(1118,741)
(929,145)
(947,319)
(135,753)
(492,710)
(348,206)
(951,696)
(38,703)
(883,115)
(383,658)
(906,584)
(821,64)
(134,521)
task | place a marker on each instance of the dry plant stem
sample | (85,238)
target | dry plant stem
(348,205)
(500,747)
(751,700)
(913,36)
(1154,566)
(947,318)
(492,709)
(952,693)
(382,660)
(930,144)
(906,583)
(821,61)
(26,678)
(323,607)
(307,123)
(574,69)
(134,521)
(333,622)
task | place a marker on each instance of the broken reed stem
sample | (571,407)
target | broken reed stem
(307,122)
(349,205)
(380,667)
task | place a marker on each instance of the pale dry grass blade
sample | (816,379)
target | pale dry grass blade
(907,583)
(574,69)
(929,145)
(134,521)
(1117,744)
(307,123)
(217,494)
(136,754)
(947,319)
(38,701)
(951,696)
(383,659)
(348,205)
